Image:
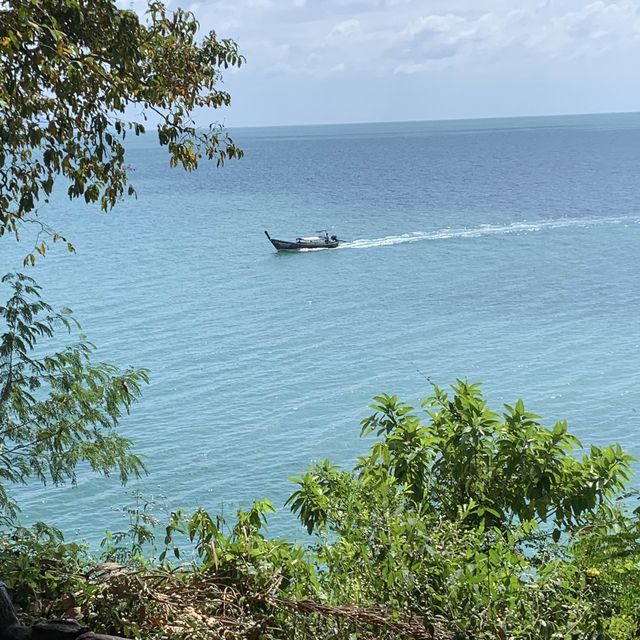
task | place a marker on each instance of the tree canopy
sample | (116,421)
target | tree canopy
(71,74)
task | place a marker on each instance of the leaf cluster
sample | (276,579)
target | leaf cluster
(492,522)
(59,410)
(72,72)
(506,469)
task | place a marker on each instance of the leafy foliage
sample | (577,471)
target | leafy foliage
(506,470)
(405,544)
(60,410)
(460,518)
(71,73)
(38,565)
(130,545)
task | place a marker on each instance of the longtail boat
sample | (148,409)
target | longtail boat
(322,241)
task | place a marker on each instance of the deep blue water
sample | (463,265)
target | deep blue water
(502,251)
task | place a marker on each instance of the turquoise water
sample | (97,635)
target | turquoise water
(502,251)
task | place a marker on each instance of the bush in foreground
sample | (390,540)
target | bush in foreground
(464,525)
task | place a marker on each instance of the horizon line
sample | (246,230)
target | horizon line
(412,121)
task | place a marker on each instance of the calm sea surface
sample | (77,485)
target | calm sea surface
(501,251)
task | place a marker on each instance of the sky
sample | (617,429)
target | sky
(334,61)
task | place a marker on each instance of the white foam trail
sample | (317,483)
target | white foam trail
(486,230)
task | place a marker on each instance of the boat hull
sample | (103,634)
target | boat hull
(285,245)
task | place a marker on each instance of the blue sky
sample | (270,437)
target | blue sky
(329,61)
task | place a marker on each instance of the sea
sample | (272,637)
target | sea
(499,251)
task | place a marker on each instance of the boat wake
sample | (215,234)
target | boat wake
(487,230)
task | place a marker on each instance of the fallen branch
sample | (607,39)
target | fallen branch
(417,628)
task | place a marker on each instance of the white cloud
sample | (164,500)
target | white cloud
(594,28)
(345,28)
(588,30)
(383,36)
(434,24)
(357,44)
